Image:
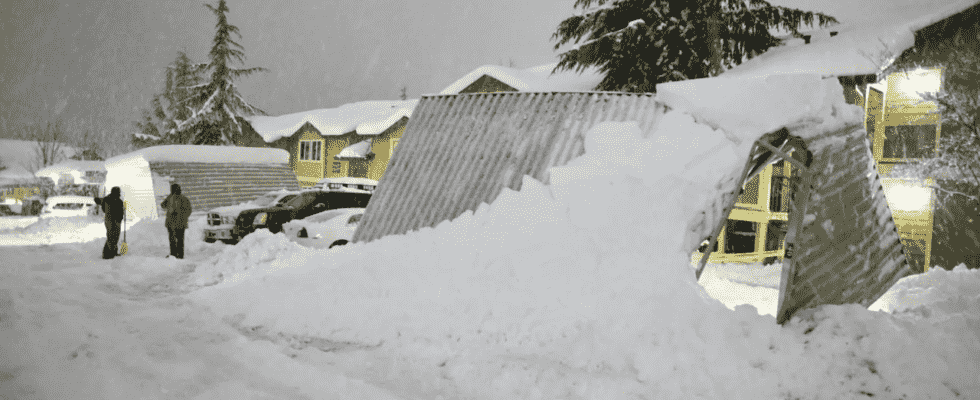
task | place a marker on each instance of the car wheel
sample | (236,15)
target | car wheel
(302,233)
(275,228)
(340,242)
(210,240)
(229,241)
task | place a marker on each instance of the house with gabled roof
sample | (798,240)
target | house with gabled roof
(353,140)
(495,78)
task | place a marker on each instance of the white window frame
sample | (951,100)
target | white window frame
(311,150)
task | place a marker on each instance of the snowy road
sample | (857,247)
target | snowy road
(72,327)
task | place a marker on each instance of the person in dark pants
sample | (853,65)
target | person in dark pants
(178,211)
(112,207)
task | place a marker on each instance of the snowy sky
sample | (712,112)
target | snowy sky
(97,64)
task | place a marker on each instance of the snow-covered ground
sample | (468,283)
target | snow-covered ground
(141,326)
(582,288)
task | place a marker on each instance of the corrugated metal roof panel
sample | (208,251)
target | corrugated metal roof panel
(461,150)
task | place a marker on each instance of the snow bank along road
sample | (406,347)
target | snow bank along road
(579,289)
(73,326)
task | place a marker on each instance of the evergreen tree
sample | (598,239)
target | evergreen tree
(176,103)
(218,108)
(639,43)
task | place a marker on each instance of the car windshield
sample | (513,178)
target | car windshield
(285,200)
(266,200)
(301,200)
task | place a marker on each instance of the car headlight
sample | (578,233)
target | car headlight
(228,220)
(260,219)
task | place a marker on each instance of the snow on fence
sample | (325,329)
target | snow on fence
(210,176)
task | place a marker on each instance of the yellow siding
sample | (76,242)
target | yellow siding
(336,168)
(903,105)
(309,172)
(753,206)
(381,146)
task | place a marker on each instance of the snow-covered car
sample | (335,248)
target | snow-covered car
(221,220)
(329,228)
(6,210)
(68,206)
(346,184)
(303,205)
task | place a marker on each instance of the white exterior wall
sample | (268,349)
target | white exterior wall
(132,174)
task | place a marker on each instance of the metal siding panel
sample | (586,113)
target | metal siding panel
(488,142)
(832,270)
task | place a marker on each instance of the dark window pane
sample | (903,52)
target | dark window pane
(775,234)
(740,236)
(779,191)
(909,141)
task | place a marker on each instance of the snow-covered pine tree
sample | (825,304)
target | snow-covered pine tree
(639,43)
(217,117)
(176,103)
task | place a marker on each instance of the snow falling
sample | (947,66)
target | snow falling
(579,289)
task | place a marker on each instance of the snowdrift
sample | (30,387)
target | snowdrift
(582,288)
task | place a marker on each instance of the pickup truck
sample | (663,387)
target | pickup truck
(301,206)
(221,220)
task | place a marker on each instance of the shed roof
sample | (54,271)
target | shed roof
(201,154)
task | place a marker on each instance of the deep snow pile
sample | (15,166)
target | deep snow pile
(583,288)
(31,231)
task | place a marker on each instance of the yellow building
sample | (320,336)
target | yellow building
(902,127)
(354,140)
(756,227)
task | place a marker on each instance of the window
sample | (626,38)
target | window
(779,195)
(909,141)
(750,193)
(309,150)
(775,234)
(740,236)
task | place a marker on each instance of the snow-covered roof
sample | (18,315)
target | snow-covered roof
(18,156)
(70,166)
(365,117)
(535,79)
(206,154)
(859,48)
(357,150)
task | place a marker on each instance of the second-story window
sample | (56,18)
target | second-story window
(909,141)
(310,150)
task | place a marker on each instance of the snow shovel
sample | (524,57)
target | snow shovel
(124,248)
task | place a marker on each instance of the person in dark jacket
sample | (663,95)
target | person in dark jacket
(178,211)
(112,208)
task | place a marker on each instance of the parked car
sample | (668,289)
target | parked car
(346,184)
(329,228)
(68,206)
(5,210)
(303,205)
(221,220)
